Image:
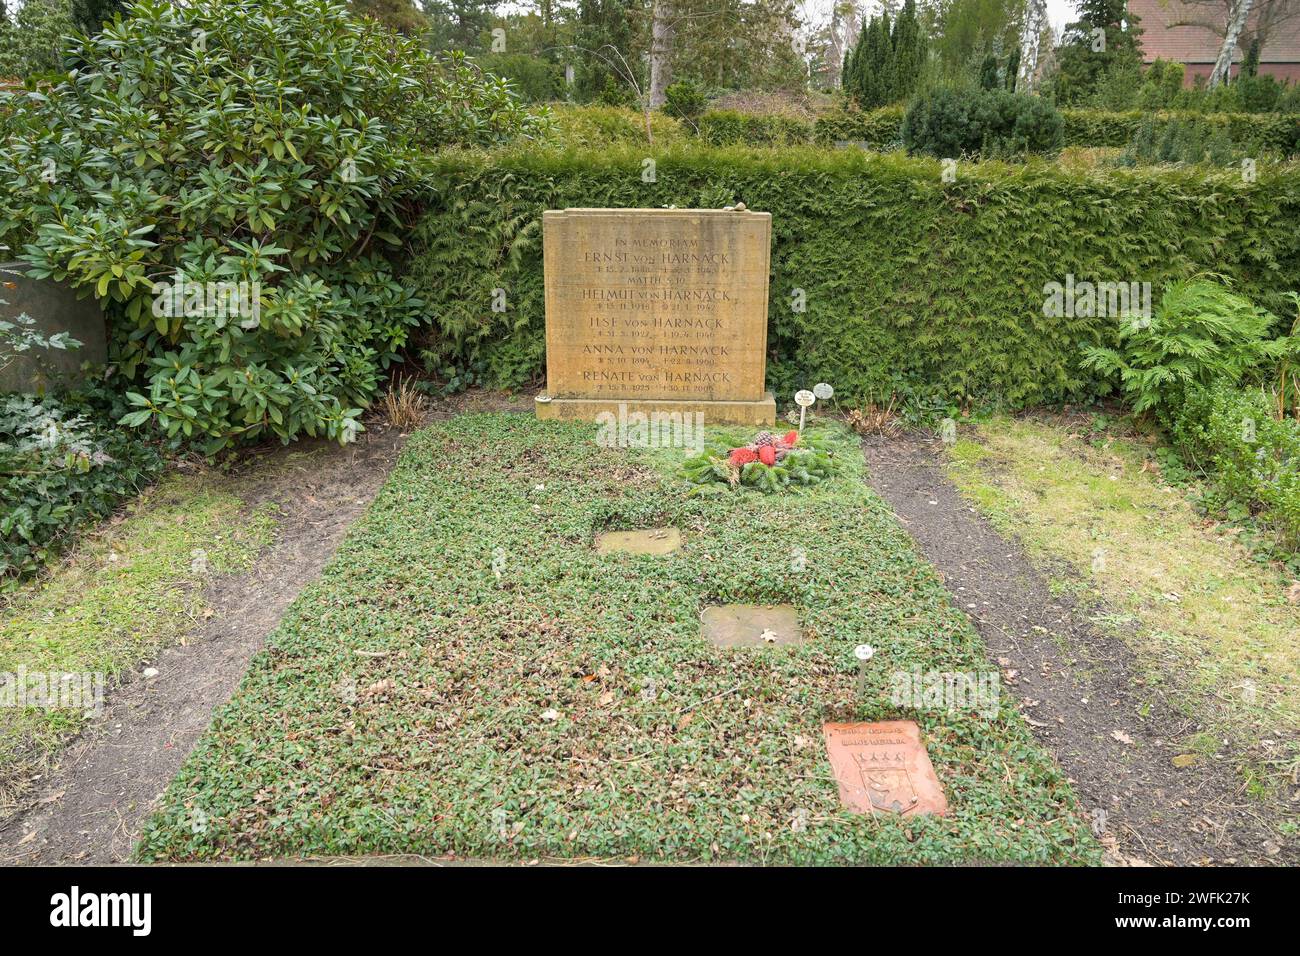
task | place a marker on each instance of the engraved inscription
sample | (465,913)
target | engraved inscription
(656,303)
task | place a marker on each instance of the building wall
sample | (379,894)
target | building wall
(1280,71)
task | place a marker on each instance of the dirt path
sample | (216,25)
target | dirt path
(1076,685)
(91,807)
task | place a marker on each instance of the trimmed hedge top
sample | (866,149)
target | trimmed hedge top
(882,128)
(911,284)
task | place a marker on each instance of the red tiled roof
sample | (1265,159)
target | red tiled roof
(1194,44)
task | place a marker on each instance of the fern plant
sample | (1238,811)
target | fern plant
(1200,333)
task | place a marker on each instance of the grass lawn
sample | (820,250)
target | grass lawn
(412,701)
(1212,629)
(129,588)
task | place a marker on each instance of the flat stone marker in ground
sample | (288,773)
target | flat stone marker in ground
(656,312)
(751,625)
(644,541)
(883,768)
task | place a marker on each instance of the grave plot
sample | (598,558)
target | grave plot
(472,676)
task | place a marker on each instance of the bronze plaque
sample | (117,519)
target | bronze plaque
(883,768)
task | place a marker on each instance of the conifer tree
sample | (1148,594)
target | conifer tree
(1104,39)
(908,52)
(989,73)
(885,64)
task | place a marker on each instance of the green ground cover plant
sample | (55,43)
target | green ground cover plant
(1250,458)
(907,283)
(63,463)
(63,466)
(469,675)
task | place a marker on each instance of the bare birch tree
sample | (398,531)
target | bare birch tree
(1223,65)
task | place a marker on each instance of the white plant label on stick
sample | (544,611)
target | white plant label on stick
(803,398)
(864,653)
(823,391)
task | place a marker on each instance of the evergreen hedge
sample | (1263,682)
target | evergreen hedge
(1258,132)
(730,127)
(882,129)
(911,284)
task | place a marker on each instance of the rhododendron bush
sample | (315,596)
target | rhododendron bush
(271,152)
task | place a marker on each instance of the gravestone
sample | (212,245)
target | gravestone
(656,310)
(882,768)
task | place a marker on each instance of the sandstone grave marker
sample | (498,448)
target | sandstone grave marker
(657,310)
(883,768)
(751,625)
(656,541)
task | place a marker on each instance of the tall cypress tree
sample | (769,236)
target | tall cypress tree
(884,65)
(908,52)
(1081,68)
(883,61)
(989,73)
(849,75)
(866,74)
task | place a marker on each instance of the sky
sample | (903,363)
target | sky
(1060,12)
